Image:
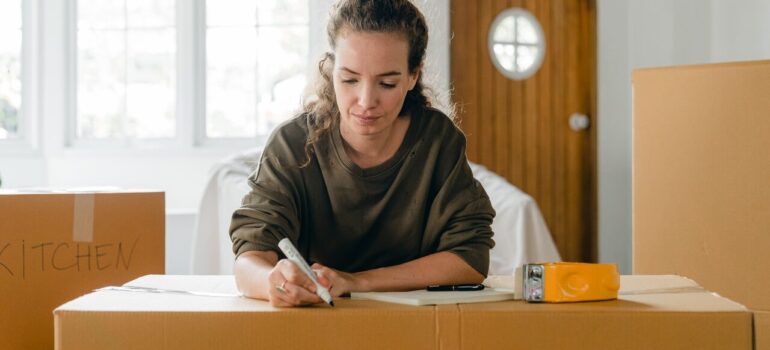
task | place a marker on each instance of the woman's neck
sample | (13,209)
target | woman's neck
(371,150)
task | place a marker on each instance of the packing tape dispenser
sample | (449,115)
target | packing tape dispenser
(562,282)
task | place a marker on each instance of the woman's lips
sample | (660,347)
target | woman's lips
(366,119)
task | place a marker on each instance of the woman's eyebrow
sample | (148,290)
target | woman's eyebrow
(386,74)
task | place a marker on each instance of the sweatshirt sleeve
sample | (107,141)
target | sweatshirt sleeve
(463,211)
(269,212)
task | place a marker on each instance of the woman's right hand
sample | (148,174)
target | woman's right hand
(289,286)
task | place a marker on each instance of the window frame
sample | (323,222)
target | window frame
(201,139)
(27,141)
(49,111)
(127,145)
(517,13)
(190,90)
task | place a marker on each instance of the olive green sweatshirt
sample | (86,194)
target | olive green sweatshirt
(421,201)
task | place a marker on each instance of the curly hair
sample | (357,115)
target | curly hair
(389,16)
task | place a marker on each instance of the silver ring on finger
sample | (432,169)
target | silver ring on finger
(281,288)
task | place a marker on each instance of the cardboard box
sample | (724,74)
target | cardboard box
(762,330)
(56,246)
(701,179)
(654,312)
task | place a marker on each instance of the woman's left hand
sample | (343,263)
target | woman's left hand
(340,283)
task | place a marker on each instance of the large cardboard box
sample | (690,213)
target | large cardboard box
(701,178)
(56,246)
(654,312)
(762,330)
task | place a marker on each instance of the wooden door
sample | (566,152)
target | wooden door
(520,129)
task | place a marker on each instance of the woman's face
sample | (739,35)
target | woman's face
(371,79)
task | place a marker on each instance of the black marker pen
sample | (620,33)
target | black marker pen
(456,288)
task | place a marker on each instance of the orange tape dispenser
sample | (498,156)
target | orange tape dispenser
(564,282)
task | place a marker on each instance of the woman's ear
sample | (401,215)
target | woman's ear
(413,77)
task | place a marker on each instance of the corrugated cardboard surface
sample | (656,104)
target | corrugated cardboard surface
(136,320)
(57,246)
(616,325)
(657,313)
(701,177)
(761,330)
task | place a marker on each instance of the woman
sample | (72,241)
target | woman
(370,182)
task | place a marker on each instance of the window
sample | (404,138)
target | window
(256,61)
(253,58)
(10,68)
(516,43)
(126,69)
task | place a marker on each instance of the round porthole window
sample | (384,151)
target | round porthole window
(516,43)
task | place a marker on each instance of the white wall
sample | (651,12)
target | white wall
(740,30)
(179,229)
(17,171)
(646,33)
(614,125)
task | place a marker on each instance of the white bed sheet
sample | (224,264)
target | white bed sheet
(521,235)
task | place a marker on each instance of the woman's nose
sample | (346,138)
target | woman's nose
(367,97)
